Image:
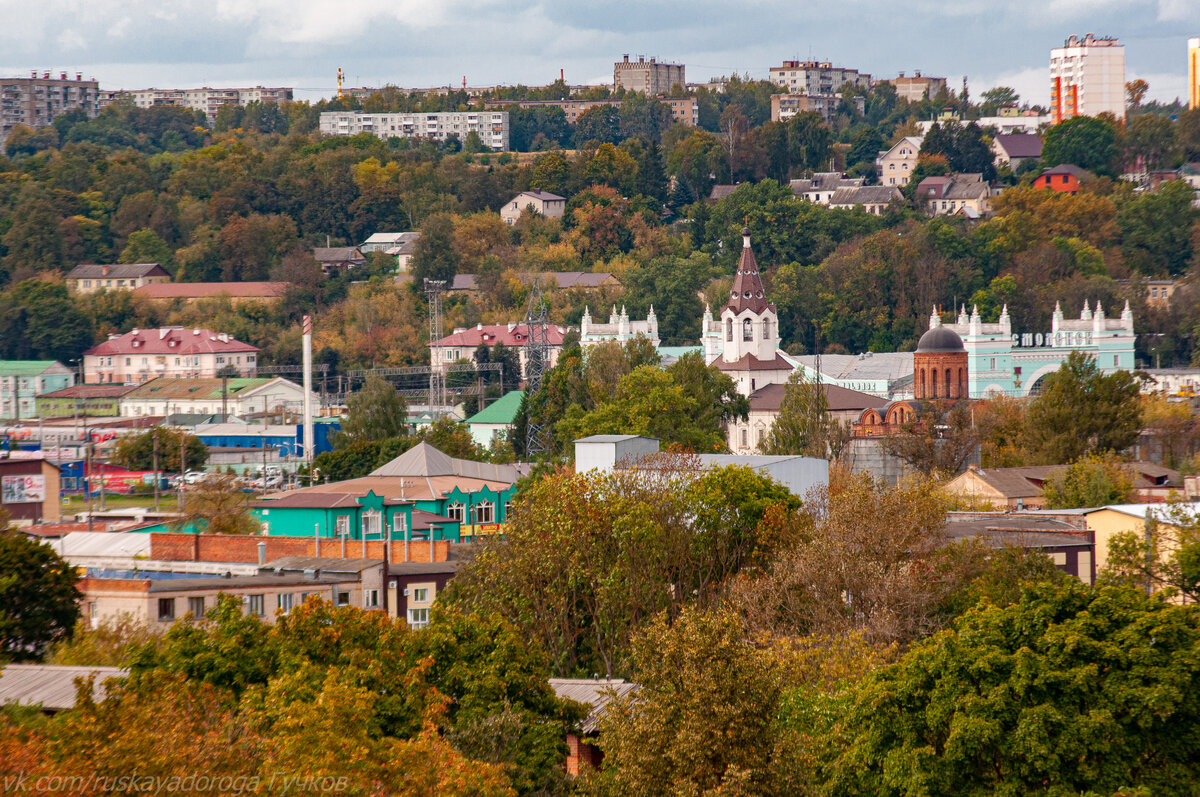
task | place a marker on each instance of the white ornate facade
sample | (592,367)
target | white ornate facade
(618,328)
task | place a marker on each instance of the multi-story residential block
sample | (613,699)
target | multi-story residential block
(896,164)
(92,277)
(144,354)
(35,101)
(647,77)
(785,106)
(463,343)
(491,126)
(816,77)
(552,206)
(1087,78)
(685,110)
(206,100)
(918,87)
(22,380)
(1194,73)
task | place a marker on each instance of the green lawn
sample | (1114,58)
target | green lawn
(167,502)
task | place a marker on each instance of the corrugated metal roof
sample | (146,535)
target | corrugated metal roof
(103,544)
(593,693)
(50,686)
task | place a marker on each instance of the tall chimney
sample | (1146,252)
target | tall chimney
(262,554)
(309,448)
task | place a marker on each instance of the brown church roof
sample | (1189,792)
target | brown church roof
(747,292)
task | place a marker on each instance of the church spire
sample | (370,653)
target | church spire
(747,292)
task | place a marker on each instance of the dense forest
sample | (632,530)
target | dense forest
(249,198)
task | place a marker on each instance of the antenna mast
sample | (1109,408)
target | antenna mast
(339,82)
(437,376)
(537,320)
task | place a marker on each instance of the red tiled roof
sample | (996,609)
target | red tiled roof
(200,290)
(89,391)
(491,334)
(749,362)
(169,340)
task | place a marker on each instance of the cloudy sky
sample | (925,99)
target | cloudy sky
(182,43)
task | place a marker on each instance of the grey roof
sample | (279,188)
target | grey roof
(1069,168)
(325,564)
(544,196)
(117,271)
(425,460)
(593,693)
(1020,145)
(337,254)
(837,398)
(103,544)
(612,438)
(423,568)
(890,365)
(865,195)
(940,340)
(241,582)
(50,686)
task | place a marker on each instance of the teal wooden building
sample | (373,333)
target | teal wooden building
(421,495)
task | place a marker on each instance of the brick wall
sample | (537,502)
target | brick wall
(226,548)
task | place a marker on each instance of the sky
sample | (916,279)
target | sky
(135,44)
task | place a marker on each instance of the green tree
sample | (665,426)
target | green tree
(1082,410)
(452,438)
(435,255)
(216,504)
(1084,141)
(376,411)
(600,123)
(136,452)
(803,425)
(939,439)
(1091,481)
(145,246)
(1157,229)
(702,720)
(1073,690)
(39,602)
(1164,556)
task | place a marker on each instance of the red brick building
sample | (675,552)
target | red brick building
(940,366)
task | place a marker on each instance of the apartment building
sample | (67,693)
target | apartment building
(895,166)
(491,126)
(463,344)
(1087,78)
(685,110)
(816,77)
(22,380)
(144,354)
(918,87)
(206,100)
(648,77)
(785,106)
(35,101)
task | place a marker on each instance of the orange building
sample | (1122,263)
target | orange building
(1064,178)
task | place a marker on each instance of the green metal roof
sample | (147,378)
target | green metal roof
(24,367)
(502,410)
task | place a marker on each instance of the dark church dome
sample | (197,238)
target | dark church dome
(940,340)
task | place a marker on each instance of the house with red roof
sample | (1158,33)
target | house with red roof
(1066,178)
(463,343)
(144,354)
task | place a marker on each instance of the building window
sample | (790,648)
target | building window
(420,595)
(485,512)
(418,618)
(371,523)
(196,607)
(747,329)
(948,383)
(1116,361)
(283,602)
(343,598)
(342,525)
(993,364)
(766,330)
(729,329)
(166,610)
(254,605)
(745,438)
(370,599)
(456,511)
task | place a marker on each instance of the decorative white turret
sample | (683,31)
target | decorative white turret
(935,318)
(1057,317)
(1086,315)
(1127,317)
(1098,318)
(652,322)
(585,322)
(1005,320)
(962,315)
(975,320)
(612,316)
(623,323)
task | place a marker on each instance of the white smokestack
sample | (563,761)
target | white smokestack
(309,449)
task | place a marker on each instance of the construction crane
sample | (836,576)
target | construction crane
(537,363)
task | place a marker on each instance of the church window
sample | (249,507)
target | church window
(747,329)
(745,436)
(922,383)
(933,384)
(729,329)
(948,383)
(766,329)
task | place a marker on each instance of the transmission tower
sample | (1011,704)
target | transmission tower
(537,320)
(437,377)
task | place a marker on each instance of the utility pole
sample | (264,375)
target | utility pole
(437,377)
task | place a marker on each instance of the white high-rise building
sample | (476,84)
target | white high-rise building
(491,126)
(1087,78)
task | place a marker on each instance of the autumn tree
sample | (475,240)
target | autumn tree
(216,505)
(804,425)
(940,438)
(1163,557)
(1091,481)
